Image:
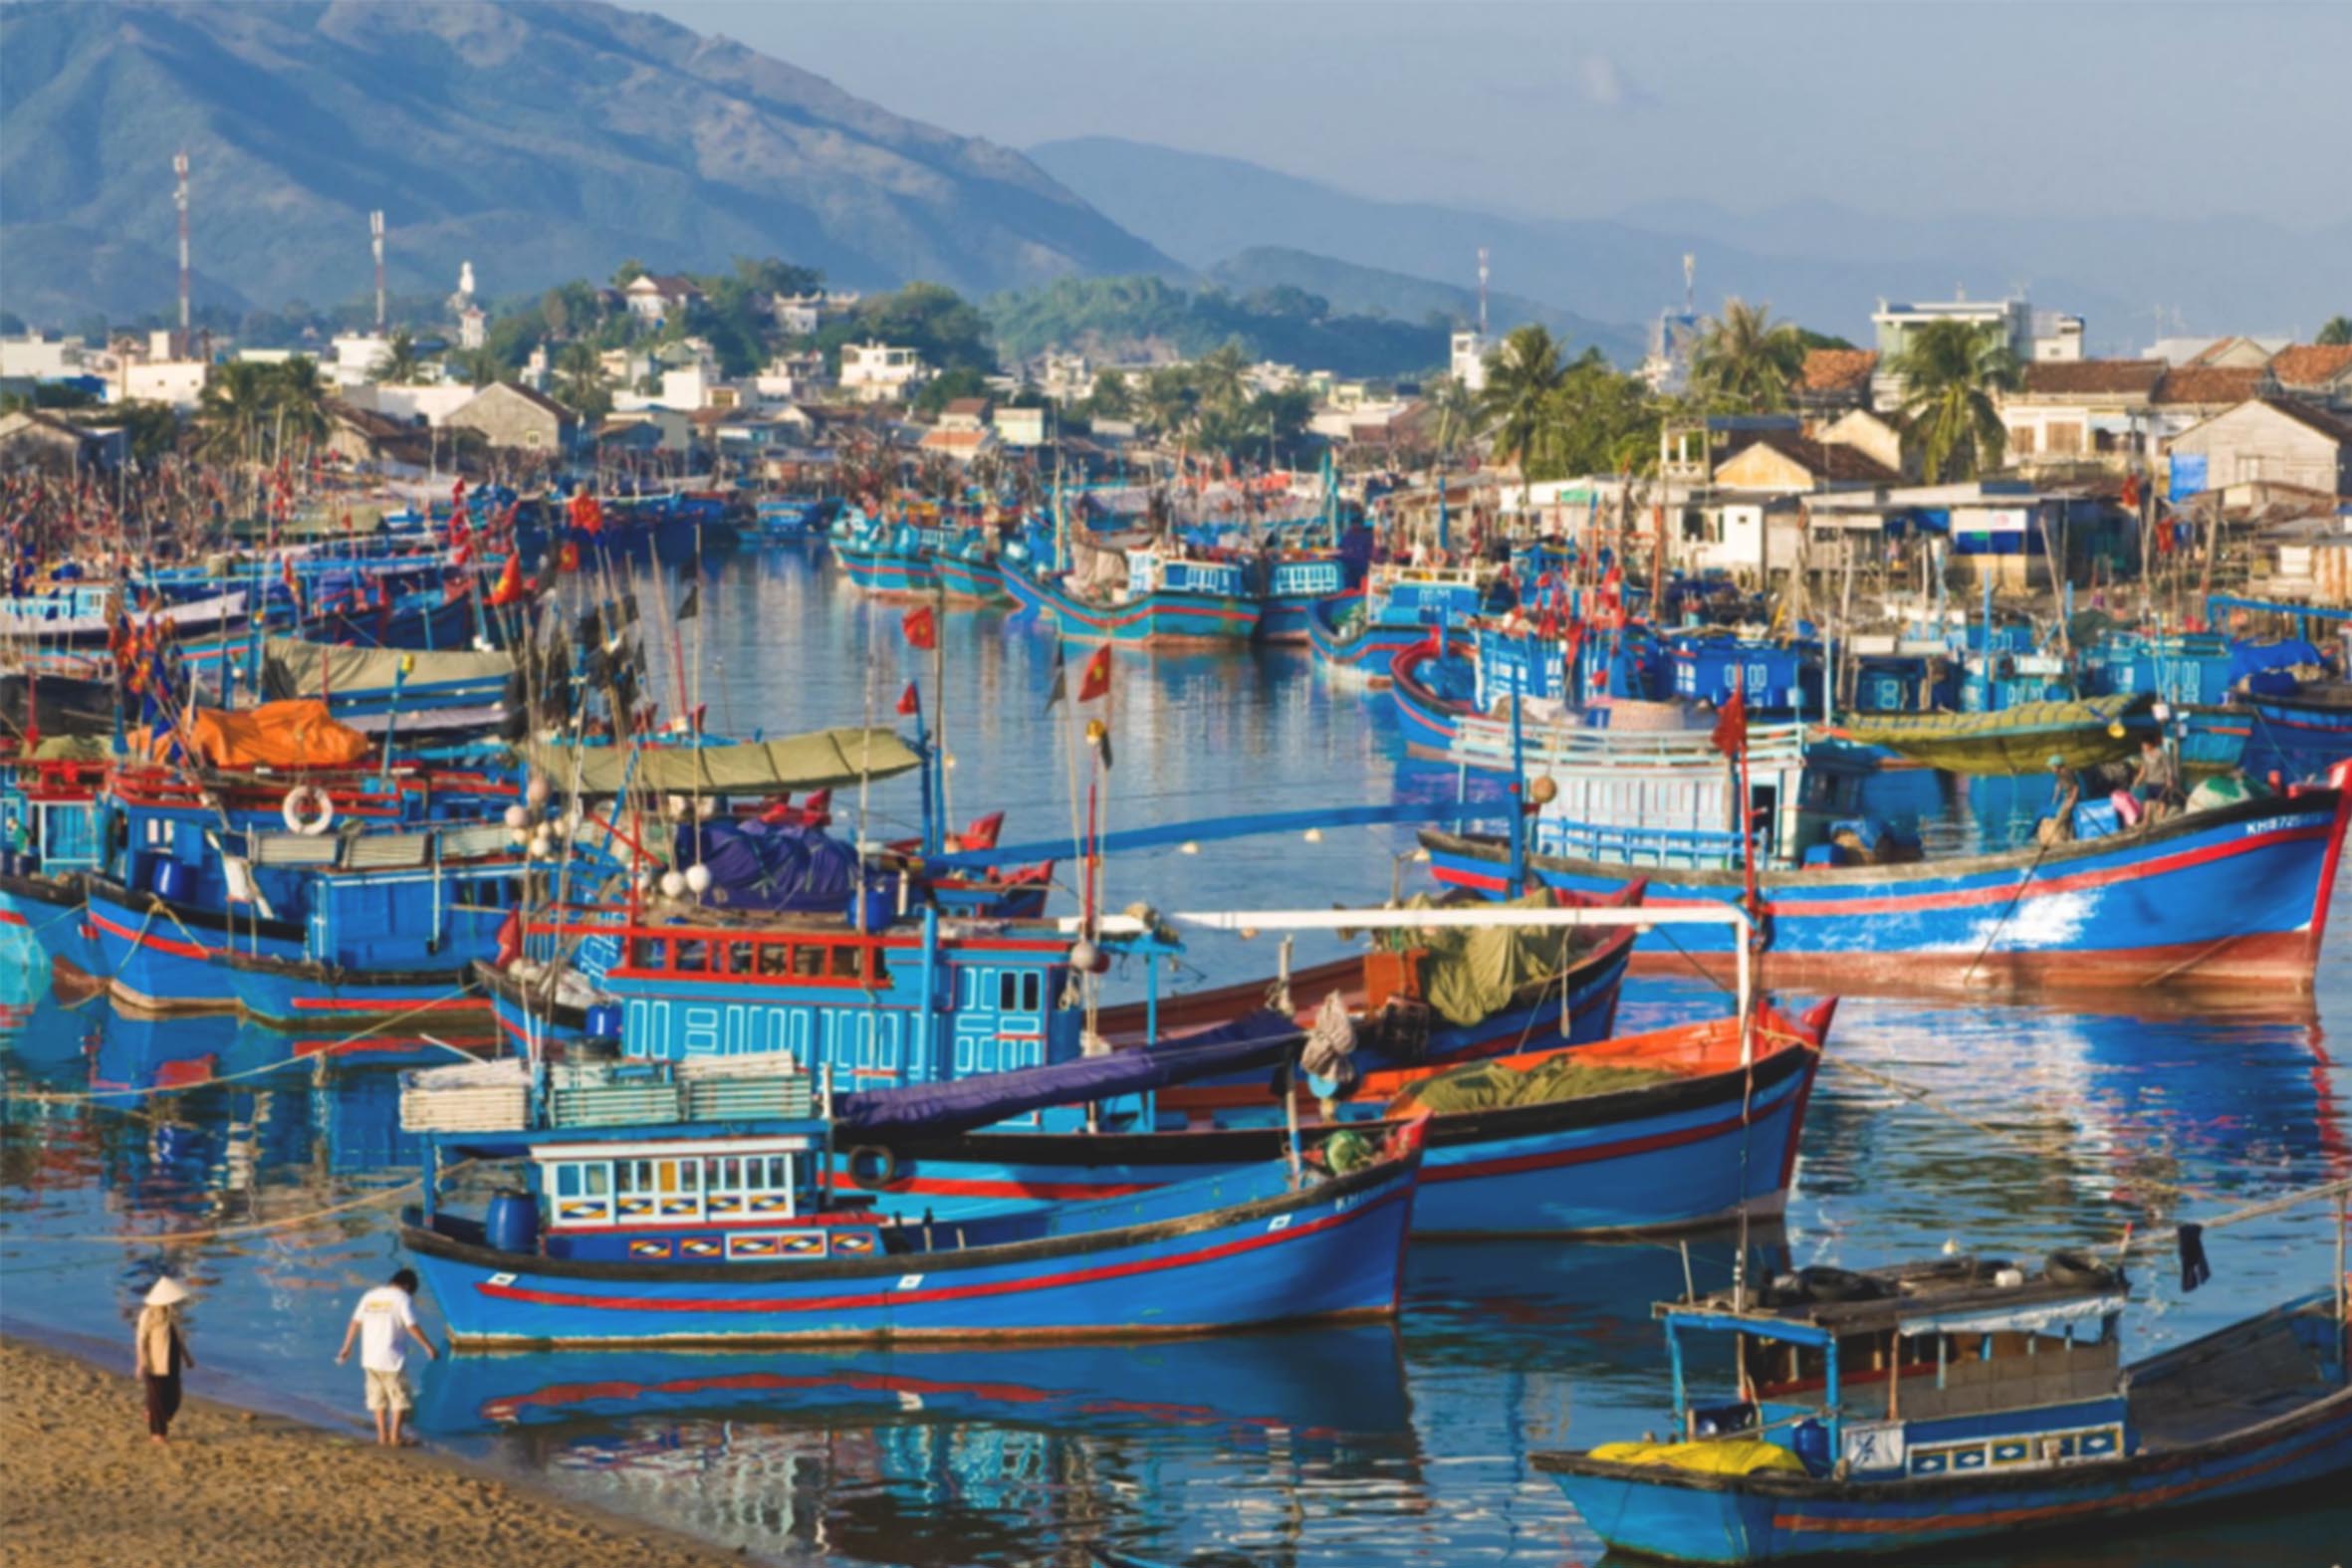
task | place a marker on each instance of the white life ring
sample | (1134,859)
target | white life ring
(300,802)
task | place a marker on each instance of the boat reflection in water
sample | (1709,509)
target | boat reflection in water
(1007,1449)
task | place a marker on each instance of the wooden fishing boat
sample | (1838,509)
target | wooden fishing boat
(2233,896)
(1907,1408)
(707,1224)
(2026,738)
(1165,603)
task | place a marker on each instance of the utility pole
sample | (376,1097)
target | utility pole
(179,199)
(375,242)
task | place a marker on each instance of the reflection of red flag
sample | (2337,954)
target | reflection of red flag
(1730,726)
(909,704)
(510,582)
(1096,681)
(569,559)
(2130,493)
(921,627)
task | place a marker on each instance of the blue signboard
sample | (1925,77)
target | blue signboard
(2188,478)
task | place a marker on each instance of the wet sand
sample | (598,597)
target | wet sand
(82,1484)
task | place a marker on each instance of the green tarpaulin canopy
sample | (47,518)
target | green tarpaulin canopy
(820,760)
(294,668)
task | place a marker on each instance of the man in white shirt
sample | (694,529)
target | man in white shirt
(377,1323)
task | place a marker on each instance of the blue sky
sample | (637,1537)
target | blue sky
(1913,109)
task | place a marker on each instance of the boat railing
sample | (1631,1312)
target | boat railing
(497,1097)
(1633,844)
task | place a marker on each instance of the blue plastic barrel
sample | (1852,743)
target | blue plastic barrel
(881,896)
(511,1224)
(1811,1439)
(173,879)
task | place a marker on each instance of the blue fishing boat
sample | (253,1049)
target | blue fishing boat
(1296,582)
(889,560)
(1906,1408)
(1165,601)
(702,1220)
(1363,631)
(788,520)
(968,572)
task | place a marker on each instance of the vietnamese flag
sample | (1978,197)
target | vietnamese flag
(909,702)
(1095,682)
(1730,726)
(921,627)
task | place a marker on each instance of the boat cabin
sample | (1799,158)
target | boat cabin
(1939,1369)
(1426,596)
(1313,576)
(1149,571)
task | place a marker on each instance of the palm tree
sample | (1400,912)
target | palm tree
(1746,358)
(1951,373)
(1167,400)
(1522,375)
(580,371)
(2337,333)
(232,408)
(1222,377)
(401,365)
(1453,416)
(475,366)
(1112,397)
(299,402)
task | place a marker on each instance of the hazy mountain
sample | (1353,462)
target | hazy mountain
(542,140)
(1825,266)
(1370,291)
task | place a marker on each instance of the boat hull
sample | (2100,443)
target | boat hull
(305,997)
(1331,1252)
(46,912)
(1741,1521)
(886,575)
(160,958)
(2231,897)
(971,582)
(1367,649)
(1163,619)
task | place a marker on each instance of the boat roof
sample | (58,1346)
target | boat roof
(1947,1296)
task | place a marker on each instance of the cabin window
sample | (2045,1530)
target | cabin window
(739,958)
(596,1180)
(1020,991)
(775,959)
(566,1181)
(649,953)
(780,1171)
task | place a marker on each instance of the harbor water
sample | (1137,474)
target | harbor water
(2006,1131)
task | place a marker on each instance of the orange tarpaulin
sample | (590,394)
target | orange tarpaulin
(275,735)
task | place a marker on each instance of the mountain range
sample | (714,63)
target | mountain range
(1823,264)
(542,142)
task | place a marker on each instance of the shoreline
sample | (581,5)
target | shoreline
(244,1489)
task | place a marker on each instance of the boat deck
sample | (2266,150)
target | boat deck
(2239,1377)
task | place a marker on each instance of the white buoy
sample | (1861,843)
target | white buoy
(1084,955)
(672,884)
(517,817)
(698,879)
(536,791)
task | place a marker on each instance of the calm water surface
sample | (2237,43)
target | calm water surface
(2008,1130)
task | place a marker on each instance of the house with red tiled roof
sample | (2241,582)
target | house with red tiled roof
(2267,441)
(2315,372)
(2080,413)
(1779,460)
(2190,394)
(1833,380)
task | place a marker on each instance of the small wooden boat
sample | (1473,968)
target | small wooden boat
(1904,1408)
(1166,603)
(2023,739)
(681,1205)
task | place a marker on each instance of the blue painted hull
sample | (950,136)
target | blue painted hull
(316,998)
(164,959)
(1246,1252)
(1367,650)
(2235,896)
(964,580)
(1288,617)
(1156,619)
(47,913)
(1748,1521)
(2295,738)
(888,574)
(1688,1152)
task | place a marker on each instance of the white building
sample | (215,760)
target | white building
(1468,362)
(44,359)
(653,298)
(2057,338)
(1894,324)
(875,372)
(180,382)
(357,357)
(430,401)
(791,377)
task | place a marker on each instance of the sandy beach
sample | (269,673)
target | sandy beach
(241,1491)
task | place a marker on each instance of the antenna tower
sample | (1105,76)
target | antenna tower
(179,199)
(375,242)
(1689,282)
(1482,294)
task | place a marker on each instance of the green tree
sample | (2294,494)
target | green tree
(945,387)
(1953,374)
(231,409)
(1453,416)
(1113,396)
(2337,332)
(475,366)
(1602,422)
(1167,400)
(298,398)
(580,374)
(1521,374)
(153,427)
(401,365)
(627,272)
(1222,377)
(1746,359)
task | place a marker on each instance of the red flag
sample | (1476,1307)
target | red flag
(510,582)
(909,704)
(569,559)
(921,627)
(2131,492)
(1730,726)
(1095,682)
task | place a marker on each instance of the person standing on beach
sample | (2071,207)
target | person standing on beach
(161,1351)
(378,1323)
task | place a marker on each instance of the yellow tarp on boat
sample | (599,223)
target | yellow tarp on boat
(274,735)
(2023,739)
(820,760)
(1727,1456)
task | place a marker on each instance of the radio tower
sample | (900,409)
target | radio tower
(375,241)
(1689,282)
(1482,294)
(179,199)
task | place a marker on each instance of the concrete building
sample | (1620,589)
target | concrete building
(178,382)
(2011,322)
(433,402)
(357,357)
(1467,362)
(35,435)
(2264,441)
(1873,437)
(2057,338)
(2082,413)
(44,358)
(2315,372)
(653,298)
(876,372)
(1021,428)
(1779,462)
(1835,381)
(515,418)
